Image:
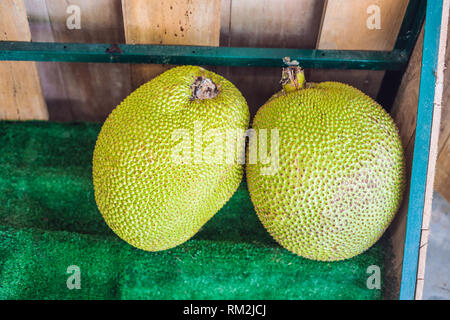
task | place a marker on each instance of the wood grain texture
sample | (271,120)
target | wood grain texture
(20,88)
(344,27)
(266,23)
(442,179)
(171,22)
(225,22)
(404,112)
(80,91)
(275,24)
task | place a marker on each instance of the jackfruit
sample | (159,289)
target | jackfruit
(153,182)
(341,170)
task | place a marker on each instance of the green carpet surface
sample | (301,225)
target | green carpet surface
(49,221)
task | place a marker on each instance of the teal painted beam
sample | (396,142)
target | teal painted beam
(200,55)
(421,149)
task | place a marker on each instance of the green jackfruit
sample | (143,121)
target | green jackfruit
(150,193)
(341,171)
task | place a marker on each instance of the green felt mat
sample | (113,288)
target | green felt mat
(49,221)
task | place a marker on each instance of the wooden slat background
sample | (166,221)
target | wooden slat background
(20,88)
(89,91)
(266,23)
(80,91)
(170,22)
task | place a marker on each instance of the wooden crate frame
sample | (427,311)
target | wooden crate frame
(395,62)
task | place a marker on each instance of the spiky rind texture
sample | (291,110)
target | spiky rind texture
(146,197)
(341,171)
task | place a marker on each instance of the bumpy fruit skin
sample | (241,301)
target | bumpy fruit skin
(148,199)
(341,171)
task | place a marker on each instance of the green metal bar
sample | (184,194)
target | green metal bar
(200,55)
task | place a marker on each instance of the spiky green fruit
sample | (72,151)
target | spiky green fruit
(153,183)
(341,171)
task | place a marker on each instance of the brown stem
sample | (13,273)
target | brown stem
(204,88)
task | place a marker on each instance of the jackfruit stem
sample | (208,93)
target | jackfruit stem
(293,78)
(204,88)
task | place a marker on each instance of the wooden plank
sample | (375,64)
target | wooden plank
(80,91)
(225,23)
(275,24)
(172,22)
(20,88)
(442,179)
(445,127)
(267,23)
(225,36)
(404,112)
(404,109)
(396,232)
(435,131)
(352,24)
(359,25)
(428,116)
